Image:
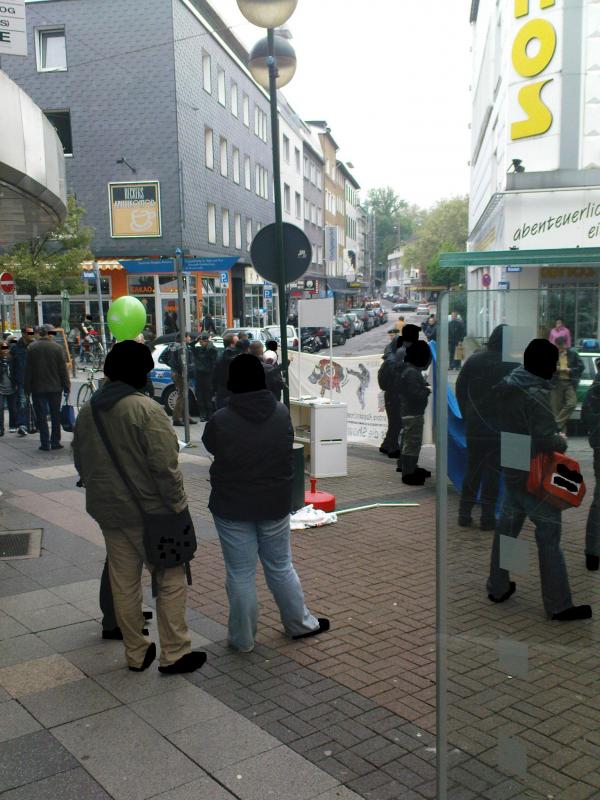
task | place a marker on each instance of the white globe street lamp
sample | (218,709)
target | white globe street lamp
(260,59)
(267,13)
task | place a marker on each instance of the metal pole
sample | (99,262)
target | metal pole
(279,254)
(2,313)
(181,315)
(100,306)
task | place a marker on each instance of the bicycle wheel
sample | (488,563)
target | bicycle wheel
(84,395)
(97,356)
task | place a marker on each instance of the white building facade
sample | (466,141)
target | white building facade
(535,161)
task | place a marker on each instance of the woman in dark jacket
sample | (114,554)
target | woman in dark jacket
(8,389)
(251,476)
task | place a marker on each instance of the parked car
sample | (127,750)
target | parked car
(347,325)
(274,332)
(423,310)
(375,317)
(261,334)
(363,314)
(404,307)
(359,325)
(589,373)
(338,332)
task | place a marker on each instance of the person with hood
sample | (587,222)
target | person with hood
(387,377)
(590,417)
(251,497)
(147,448)
(563,395)
(476,399)
(524,410)
(430,328)
(413,392)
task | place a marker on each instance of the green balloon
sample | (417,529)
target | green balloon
(126,318)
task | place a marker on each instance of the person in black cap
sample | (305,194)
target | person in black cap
(251,477)
(523,401)
(388,377)
(147,449)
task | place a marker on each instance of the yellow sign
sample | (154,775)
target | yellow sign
(134,209)
(533,50)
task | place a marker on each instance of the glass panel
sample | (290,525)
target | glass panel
(258,311)
(168,284)
(214,302)
(52,312)
(54,53)
(515,694)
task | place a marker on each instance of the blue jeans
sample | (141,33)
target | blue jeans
(243,543)
(517,505)
(21,406)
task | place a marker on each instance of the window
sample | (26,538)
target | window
(206,78)
(225,228)
(237,231)
(247,173)
(313,173)
(209,153)
(319,178)
(286,149)
(319,254)
(236,165)
(306,167)
(248,234)
(286,197)
(256,120)
(257,179)
(264,183)
(246,110)
(212,223)
(234,99)
(320,217)
(261,123)
(313,213)
(297,157)
(51,50)
(223,146)
(221,86)
(62,123)
(306,210)
(298,206)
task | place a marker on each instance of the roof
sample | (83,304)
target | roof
(348,174)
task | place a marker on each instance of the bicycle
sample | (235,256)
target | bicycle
(87,389)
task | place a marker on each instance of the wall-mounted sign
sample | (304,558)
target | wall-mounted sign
(552,219)
(13,28)
(134,209)
(311,285)
(141,289)
(331,243)
(514,269)
(148,266)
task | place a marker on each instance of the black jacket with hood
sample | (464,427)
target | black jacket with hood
(413,390)
(252,472)
(523,407)
(590,413)
(475,386)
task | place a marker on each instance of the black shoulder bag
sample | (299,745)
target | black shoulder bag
(169,539)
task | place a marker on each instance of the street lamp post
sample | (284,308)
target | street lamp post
(273,64)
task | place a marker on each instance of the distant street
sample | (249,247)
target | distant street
(374,341)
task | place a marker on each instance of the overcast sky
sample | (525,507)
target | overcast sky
(391,77)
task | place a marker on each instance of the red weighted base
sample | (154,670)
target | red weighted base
(321,500)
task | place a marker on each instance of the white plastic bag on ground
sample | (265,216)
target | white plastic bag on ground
(310,517)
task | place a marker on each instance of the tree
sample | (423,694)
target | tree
(395,221)
(445,229)
(52,262)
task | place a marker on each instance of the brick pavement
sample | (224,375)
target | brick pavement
(358,703)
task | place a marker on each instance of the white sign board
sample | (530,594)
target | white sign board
(13,29)
(552,219)
(315,313)
(331,243)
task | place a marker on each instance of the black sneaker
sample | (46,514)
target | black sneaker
(57,447)
(187,663)
(178,424)
(44,447)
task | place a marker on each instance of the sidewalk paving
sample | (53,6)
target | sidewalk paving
(343,716)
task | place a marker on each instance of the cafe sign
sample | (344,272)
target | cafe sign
(134,210)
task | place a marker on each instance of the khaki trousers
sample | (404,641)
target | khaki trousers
(563,399)
(126,557)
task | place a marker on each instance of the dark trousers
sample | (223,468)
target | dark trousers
(45,403)
(454,364)
(107,606)
(10,401)
(483,470)
(204,393)
(412,440)
(394,417)
(592,528)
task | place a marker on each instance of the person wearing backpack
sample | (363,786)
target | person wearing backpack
(386,378)
(147,449)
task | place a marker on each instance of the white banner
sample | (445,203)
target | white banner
(352,381)
(552,219)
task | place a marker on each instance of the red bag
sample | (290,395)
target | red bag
(557,479)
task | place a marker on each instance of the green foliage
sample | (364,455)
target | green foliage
(395,220)
(445,229)
(52,262)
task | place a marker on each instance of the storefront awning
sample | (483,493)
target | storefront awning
(526,258)
(103,263)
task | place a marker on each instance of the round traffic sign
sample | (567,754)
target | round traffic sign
(486,279)
(7,283)
(297,253)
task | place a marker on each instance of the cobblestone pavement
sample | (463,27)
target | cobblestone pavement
(345,715)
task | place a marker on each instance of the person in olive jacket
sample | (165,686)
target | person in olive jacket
(590,417)
(251,478)
(475,395)
(563,397)
(524,409)
(147,449)
(46,378)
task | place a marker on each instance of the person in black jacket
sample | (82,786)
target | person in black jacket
(251,497)
(273,376)
(205,357)
(475,396)
(388,373)
(456,333)
(524,409)
(414,394)
(590,417)
(563,397)
(8,388)
(18,352)
(221,371)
